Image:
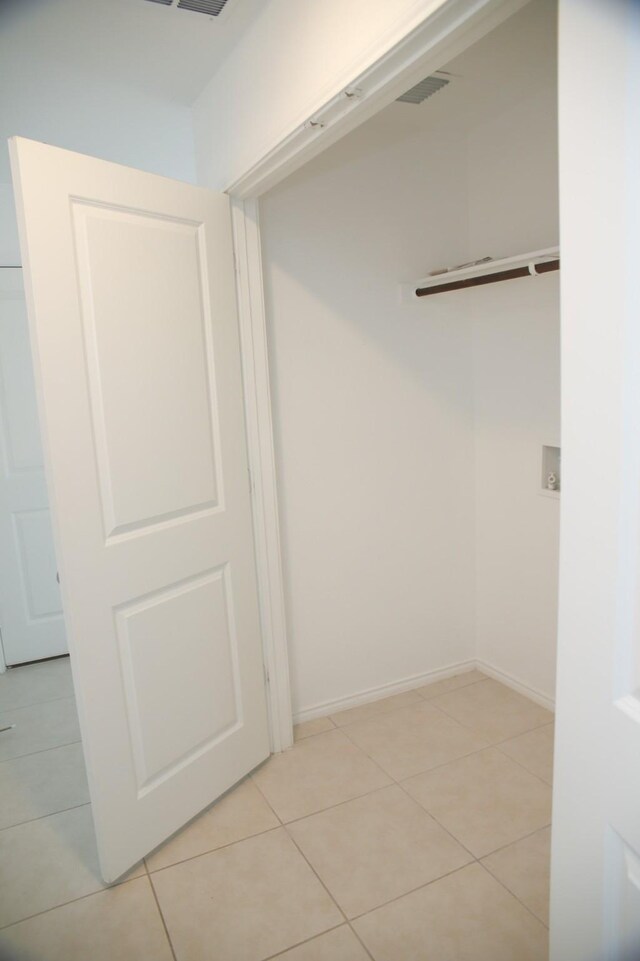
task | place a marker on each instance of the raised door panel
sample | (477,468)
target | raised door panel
(149,365)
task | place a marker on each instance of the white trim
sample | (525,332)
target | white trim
(325,708)
(517,685)
(420,42)
(384,690)
(257,399)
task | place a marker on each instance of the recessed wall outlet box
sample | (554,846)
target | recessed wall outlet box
(551,475)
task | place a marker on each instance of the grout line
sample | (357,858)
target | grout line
(400,784)
(41,817)
(298,944)
(316,874)
(416,689)
(524,767)
(330,807)
(475,860)
(305,737)
(538,727)
(147,873)
(268,803)
(42,750)
(414,800)
(436,767)
(524,837)
(338,804)
(356,935)
(28,707)
(423,699)
(419,887)
(513,895)
(162,919)
(63,904)
(303,855)
(222,847)
(439,823)
(453,690)
(46,700)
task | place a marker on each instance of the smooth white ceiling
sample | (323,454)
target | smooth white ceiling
(164,51)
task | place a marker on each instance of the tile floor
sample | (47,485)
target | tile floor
(414,828)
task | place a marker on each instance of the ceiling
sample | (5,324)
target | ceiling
(167,52)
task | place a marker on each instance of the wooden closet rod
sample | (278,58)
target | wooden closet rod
(489,278)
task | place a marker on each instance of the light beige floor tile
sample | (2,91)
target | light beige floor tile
(466,916)
(413,739)
(317,773)
(451,683)
(35,683)
(121,923)
(534,750)
(523,867)
(240,814)
(373,708)
(39,727)
(41,784)
(486,800)
(376,848)
(493,710)
(338,945)
(308,728)
(48,862)
(244,902)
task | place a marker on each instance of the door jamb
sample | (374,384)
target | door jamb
(443,33)
(261,453)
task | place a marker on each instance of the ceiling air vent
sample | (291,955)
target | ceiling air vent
(426,88)
(211,7)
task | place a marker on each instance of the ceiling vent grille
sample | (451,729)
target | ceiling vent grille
(426,88)
(211,7)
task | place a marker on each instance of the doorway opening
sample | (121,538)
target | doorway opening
(418,438)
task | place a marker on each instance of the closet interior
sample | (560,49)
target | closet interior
(417,412)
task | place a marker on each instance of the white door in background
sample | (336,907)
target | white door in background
(131,293)
(31,622)
(595,889)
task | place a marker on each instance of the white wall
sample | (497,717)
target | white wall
(44,100)
(401,555)
(513,207)
(373,414)
(294,57)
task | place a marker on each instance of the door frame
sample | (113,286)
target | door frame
(421,43)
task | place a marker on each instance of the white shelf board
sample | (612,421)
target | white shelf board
(408,290)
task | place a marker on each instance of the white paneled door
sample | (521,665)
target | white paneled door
(31,622)
(131,294)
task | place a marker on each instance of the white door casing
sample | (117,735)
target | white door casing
(31,621)
(131,294)
(595,877)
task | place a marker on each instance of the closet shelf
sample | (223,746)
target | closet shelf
(489,272)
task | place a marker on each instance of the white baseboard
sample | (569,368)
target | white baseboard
(385,690)
(531,692)
(419,680)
